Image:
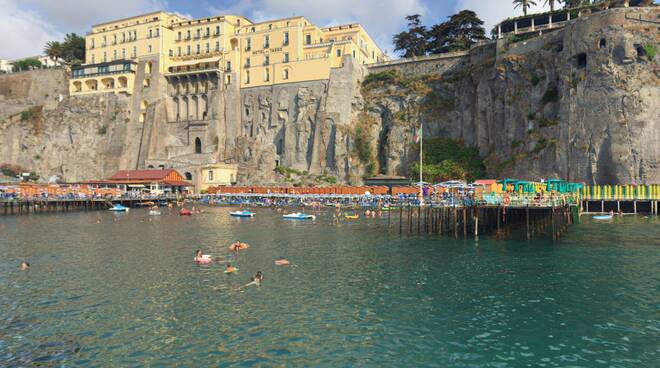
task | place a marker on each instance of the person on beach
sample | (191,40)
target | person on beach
(281,261)
(25,265)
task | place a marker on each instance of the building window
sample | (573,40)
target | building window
(208,48)
(217,30)
(208,32)
(187,34)
(134,55)
(171,53)
(114,39)
(198,145)
(93,59)
(308,39)
(217,46)
(123,53)
(179,37)
(187,174)
(179,51)
(266,60)
(338,52)
(254,29)
(353,53)
(248,44)
(210,175)
(157,32)
(92,43)
(188,50)
(149,36)
(114,55)
(266,75)
(270,26)
(229,66)
(247,77)
(286,57)
(149,48)
(197,32)
(285,74)
(247,62)
(286,38)
(197,48)
(266,41)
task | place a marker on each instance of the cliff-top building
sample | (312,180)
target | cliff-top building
(232,47)
(194,91)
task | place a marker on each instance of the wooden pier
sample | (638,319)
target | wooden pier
(472,221)
(35,206)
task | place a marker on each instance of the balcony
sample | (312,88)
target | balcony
(109,68)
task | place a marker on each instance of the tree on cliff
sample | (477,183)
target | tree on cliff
(551,3)
(460,32)
(71,50)
(53,50)
(26,64)
(412,42)
(574,3)
(524,4)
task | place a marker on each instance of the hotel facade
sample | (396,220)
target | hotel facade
(232,47)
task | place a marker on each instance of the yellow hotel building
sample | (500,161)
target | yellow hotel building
(233,47)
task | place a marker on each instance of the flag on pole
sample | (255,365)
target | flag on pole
(417,134)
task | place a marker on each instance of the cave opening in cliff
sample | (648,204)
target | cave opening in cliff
(581,60)
(603,43)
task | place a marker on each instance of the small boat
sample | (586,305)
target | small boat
(299,216)
(185,212)
(119,208)
(602,217)
(241,214)
(154,213)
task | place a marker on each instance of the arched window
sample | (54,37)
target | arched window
(198,145)
(188,176)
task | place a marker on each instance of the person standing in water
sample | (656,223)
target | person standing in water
(25,265)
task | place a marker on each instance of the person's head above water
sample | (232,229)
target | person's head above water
(25,265)
(228,265)
(198,252)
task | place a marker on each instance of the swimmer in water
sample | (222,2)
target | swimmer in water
(254,280)
(25,265)
(230,269)
(281,261)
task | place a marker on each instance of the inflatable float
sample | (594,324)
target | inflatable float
(352,217)
(185,212)
(204,259)
(238,246)
(602,217)
(154,213)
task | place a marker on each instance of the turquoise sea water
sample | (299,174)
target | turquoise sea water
(126,293)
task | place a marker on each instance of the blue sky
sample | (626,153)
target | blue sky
(28,24)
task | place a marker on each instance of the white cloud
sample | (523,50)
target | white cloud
(28,24)
(495,11)
(24,32)
(381,18)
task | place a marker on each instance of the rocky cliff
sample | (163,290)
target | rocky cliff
(579,103)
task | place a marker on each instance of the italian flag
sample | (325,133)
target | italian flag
(417,134)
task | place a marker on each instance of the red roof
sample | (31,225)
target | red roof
(141,174)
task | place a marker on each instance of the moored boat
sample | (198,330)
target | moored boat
(241,214)
(119,208)
(299,216)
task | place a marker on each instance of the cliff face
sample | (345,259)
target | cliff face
(579,103)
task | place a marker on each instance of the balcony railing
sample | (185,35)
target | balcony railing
(109,68)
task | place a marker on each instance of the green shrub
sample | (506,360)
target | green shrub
(531,116)
(540,145)
(544,123)
(650,51)
(380,78)
(550,95)
(535,80)
(515,144)
(25,115)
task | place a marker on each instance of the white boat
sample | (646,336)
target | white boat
(241,214)
(299,216)
(154,213)
(603,217)
(119,208)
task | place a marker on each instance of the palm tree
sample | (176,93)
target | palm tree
(525,4)
(551,3)
(54,50)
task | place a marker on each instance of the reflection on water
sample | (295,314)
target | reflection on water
(126,292)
